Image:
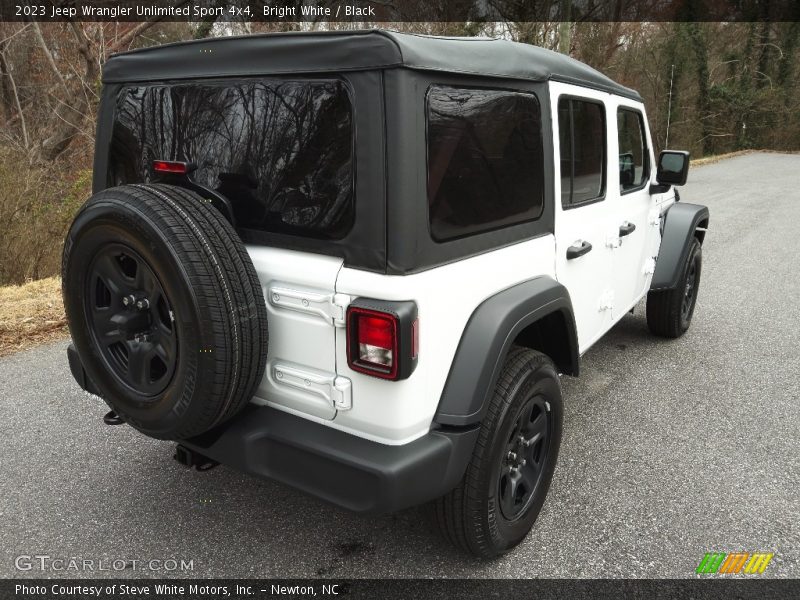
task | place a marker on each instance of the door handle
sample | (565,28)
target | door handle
(578,249)
(626,228)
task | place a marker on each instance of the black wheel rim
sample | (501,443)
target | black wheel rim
(524,458)
(689,292)
(131,320)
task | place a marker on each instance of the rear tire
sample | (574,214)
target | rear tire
(507,479)
(669,312)
(165,309)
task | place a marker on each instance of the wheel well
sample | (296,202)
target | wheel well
(701,235)
(550,335)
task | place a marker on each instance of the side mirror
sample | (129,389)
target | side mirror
(673,167)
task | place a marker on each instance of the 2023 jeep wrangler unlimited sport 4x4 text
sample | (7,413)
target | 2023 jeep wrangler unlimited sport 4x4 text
(431,231)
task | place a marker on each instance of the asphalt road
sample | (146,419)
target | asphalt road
(671,448)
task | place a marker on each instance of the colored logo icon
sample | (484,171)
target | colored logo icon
(735,562)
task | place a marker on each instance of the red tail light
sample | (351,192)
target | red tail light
(377,340)
(382,343)
(167,167)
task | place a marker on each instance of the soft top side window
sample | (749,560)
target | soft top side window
(634,163)
(485,160)
(582,141)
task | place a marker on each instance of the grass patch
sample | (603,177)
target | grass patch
(31,314)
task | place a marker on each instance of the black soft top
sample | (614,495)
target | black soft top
(336,51)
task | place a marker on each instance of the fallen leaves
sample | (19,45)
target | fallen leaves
(31,314)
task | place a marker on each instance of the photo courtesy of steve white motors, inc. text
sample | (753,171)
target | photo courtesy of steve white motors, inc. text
(171,589)
(129,10)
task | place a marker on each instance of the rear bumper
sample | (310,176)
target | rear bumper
(349,471)
(352,472)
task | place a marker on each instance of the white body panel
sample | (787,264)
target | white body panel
(390,412)
(396,412)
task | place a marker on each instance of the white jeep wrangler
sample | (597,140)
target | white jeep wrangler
(358,262)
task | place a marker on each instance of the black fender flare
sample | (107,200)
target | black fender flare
(487,338)
(681,221)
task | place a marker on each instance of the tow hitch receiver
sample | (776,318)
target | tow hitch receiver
(190,458)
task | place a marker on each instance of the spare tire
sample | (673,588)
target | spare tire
(165,309)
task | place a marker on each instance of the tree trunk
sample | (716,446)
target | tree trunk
(68,116)
(786,63)
(700,48)
(565,27)
(6,97)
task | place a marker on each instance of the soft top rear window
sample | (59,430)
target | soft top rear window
(280,150)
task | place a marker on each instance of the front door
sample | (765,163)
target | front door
(634,213)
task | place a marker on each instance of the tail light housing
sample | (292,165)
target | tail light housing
(382,338)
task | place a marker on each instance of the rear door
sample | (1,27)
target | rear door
(582,225)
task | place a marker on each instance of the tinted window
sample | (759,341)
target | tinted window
(485,162)
(583,156)
(281,151)
(633,163)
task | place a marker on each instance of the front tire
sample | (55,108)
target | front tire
(509,474)
(669,312)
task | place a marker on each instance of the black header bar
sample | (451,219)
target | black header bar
(387,11)
(391,589)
